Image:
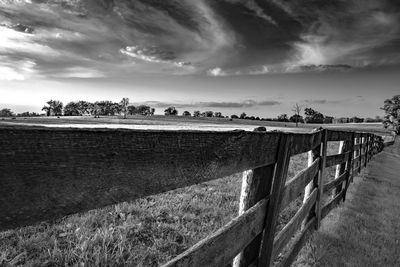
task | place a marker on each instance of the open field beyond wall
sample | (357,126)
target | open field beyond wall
(144,232)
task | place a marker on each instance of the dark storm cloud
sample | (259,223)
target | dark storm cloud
(95,38)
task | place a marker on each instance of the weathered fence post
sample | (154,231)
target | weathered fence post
(366,150)
(360,153)
(344,147)
(320,182)
(312,156)
(349,165)
(280,174)
(256,185)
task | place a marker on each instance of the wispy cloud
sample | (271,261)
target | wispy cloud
(248,103)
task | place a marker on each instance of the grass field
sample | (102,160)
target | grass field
(144,232)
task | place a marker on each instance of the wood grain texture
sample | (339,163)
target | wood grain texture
(222,246)
(305,142)
(337,159)
(281,170)
(339,135)
(295,186)
(293,225)
(46,173)
(298,243)
(334,183)
(256,185)
(321,174)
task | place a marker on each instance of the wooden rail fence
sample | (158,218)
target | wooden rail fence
(49,173)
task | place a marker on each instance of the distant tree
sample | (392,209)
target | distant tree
(28,114)
(171,111)
(356,119)
(6,112)
(71,109)
(296,109)
(283,118)
(132,110)
(124,106)
(243,116)
(105,107)
(196,113)
(186,113)
(144,110)
(233,116)
(328,119)
(296,118)
(96,110)
(392,113)
(53,108)
(152,111)
(313,116)
(208,114)
(218,115)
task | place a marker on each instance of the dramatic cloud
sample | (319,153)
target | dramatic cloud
(115,38)
(240,104)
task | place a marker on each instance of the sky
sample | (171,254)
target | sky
(340,57)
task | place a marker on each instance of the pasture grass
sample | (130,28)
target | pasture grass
(145,232)
(365,230)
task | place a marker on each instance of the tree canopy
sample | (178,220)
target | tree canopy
(392,113)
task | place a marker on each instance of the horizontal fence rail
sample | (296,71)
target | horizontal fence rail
(47,173)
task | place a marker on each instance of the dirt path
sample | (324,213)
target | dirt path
(365,230)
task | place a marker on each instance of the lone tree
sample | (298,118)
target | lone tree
(171,111)
(296,109)
(392,113)
(124,103)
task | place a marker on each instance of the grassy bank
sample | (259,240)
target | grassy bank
(365,231)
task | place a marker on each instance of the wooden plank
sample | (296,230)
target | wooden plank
(256,185)
(321,179)
(47,173)
(349,169)
(334,183)
(337,159)
(293,225)
(390,143)
(334,135)
(212,251)
(271,217)
(298,243)
(295,186)
(332,204)
(357,147)
(305,142)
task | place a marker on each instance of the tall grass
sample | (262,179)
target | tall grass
(144,232)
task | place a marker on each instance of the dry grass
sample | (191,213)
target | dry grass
(145,232)
(365,230)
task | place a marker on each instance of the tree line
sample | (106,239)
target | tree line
(109,108)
